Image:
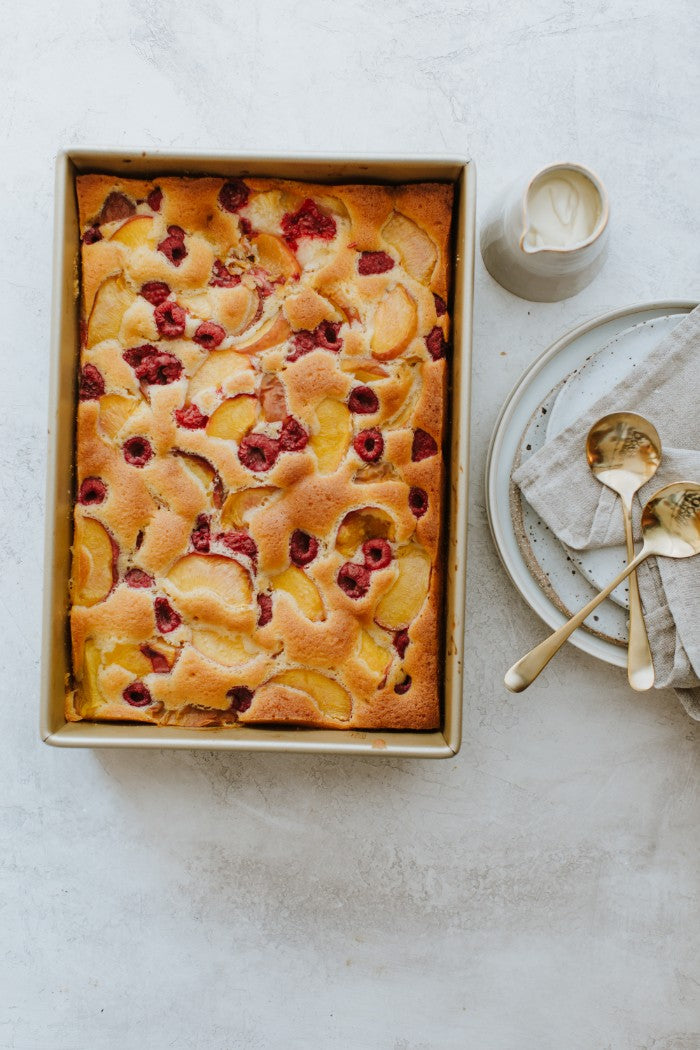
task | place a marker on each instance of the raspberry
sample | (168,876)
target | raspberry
(154,366)
(262,280)
(418,501)
(240,543)
(166,617)
(137,695)
(221,276)
(116,206)
(363,400)
(440,305)
(245,226)
(374,262)
(138,578)
(155,292)
(155,199)
(307,221)
(92,490)
(234,195)
(326,335)
(209,335)
(377,553)
(293,437)
(173,246)
(241,697)
(369,445)
(170,320)
(190,418)
(201,534)
(302,547)
(354,580)
(92,235)
(435,342)
(92,385)
(404,686)
(424,446)
(304,342)
(258,452)
(159,663)
(401,641)
(265,606)
(137,451)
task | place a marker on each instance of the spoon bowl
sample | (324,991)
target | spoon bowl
(671,528)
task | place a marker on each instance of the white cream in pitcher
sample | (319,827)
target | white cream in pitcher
(563,210)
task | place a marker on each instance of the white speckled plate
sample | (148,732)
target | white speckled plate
(540,568)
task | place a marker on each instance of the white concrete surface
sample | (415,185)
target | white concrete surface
(539,892)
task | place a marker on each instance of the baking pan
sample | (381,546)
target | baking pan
(441,743)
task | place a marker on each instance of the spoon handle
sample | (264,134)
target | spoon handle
(525,671)
(640,667)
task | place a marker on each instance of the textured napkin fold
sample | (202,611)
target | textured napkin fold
(583,514)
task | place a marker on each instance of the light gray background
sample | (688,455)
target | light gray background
(539,892)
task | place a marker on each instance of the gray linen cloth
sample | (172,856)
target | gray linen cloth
(583,514)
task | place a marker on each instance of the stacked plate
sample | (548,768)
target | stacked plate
(562,384)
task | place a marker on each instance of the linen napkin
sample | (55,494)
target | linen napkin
(583,514)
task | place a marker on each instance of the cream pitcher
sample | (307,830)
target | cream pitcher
(548,242)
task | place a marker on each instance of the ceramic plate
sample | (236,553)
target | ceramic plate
(549,580)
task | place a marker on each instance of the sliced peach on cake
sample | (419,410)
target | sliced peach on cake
(91,695)
(234,418)
(295,582)
(402,603)
(93,564)
(329,697)
(395,323)
(221,367)
(369,523)
(223,577)
(272,334)
(275,257)
(332,440)
(417,251)
(135,232)
(227,649)
(239,505)
(200,468)
(114,412)
(111,302)
(375,656)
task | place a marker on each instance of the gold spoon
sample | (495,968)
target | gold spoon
(671,529)
(624,452)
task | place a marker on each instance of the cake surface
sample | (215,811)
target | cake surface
(259,454)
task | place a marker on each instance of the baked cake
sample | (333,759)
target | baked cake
(259,452)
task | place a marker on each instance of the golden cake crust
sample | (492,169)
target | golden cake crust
(262,393)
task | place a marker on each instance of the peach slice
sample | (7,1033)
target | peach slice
(226,649)
(370,523)
(200,468)
(91,695)
(395,323)
(375,656)
(367,371)
(129,656)
(220,366)
(402,603)
(272,334)
(93,566)
(108,309)
(330,697)
(273,399)
(239,505)
(417,251)
(135,232)
(223,577)
(373,473)
(234,418)
(275,257)
(332,440)
(114,412)
(304,591)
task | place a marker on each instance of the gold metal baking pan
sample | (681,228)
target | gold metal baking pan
(442,743)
